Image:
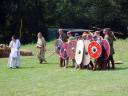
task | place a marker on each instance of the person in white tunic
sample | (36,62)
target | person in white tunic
(14,58)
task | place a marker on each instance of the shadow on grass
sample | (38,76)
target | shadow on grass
(121,68)
(52,63)
(38,65)
(116,69)
(31,67)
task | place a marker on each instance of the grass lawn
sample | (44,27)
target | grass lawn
(34,79)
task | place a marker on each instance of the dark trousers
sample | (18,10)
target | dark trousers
(112,62)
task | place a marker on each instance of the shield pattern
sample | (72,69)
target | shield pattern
(58,44)
(71,48)
(63,51)
(94,50)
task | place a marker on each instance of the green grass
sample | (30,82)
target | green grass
(34,79)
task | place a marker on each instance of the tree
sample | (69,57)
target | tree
(30,12)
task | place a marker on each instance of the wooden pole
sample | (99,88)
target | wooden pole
(20,28)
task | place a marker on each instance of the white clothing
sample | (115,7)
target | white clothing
(14,58)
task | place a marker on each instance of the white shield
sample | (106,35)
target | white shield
(79,52)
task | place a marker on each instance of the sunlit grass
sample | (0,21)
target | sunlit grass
(34,79)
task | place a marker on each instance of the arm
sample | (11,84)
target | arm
(18,44)
(39,43)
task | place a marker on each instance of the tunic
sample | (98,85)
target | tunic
(110,39)
(41,45)
(14,58)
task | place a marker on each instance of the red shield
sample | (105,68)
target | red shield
(63,51)
(94,50)
(58,44)
(79,52)
(106,49)
(71,49)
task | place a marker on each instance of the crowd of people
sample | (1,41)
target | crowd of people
(14,58)
(96,36)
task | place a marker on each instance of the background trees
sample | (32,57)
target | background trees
(22,18)
(27,17)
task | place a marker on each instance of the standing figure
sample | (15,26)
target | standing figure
(101,60)
(71,38)
(41,45)
(14,58)
(63,37)
(88,36)
(110,37)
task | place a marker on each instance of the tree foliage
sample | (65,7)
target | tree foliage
(27,17)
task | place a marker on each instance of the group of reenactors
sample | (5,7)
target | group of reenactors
(94,63)
(66,52)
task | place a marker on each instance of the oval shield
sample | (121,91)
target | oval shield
(106,49)
(94,50)
(79,52)
(71,49)
(58,44)
(63,50)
